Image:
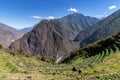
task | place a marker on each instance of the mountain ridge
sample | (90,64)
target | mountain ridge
(8,35)
(51,38)
(100,30)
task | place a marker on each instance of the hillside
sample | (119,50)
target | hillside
(105,28)
(8,35)
(105,45)
(53,38)
(100,58)
(47,39)
(76,23)
(104,64)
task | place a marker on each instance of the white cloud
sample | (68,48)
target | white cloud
(101,16)
(112,7)
(51,17)
(40,17)
(36,17)
(73,9)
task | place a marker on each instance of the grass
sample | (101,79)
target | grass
(101,66)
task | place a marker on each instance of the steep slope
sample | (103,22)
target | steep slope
(107,45)
(53,38)
(102,29)
(73,23)
(8,35)
(76,23)
(47,39)
(100,59)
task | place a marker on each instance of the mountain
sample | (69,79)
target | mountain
(53,38)
(76,23)
(46,39)
(73,23)
(105,28)
(107,45)
(8,35)
(25,30)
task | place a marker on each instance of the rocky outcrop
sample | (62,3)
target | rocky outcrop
(47,38)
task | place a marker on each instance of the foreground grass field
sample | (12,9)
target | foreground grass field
(99,67)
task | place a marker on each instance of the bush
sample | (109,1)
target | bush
(75,68)
(95,71)
(46,59)
(12,53)
(1,46)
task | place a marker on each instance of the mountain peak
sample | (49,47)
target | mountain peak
(53,38)
(104,28)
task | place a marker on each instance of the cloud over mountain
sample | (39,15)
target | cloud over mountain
(112,7)
(73,9)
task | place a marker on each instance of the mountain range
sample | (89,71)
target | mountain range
(56,38)
(8,35)
(53,38)
(104,28)
(86,48)
(25,30)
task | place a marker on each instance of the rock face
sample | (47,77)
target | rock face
(47,39)
(106,27)
(73,23)
(53,38)
(8,35)
(76,23)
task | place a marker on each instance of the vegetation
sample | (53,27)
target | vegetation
(98,61)
(105,45)
(1,46)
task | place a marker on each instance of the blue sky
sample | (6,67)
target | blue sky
(25,13)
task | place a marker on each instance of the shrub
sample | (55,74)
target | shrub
(12,53)
(80,71)
(97,77)
(1,46)
(75,68)
(19,51)
(46,59)
(95,71)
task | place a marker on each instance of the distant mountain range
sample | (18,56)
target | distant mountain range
(8,35)
(25,30)
(53,38)
(105,28)
(58,37)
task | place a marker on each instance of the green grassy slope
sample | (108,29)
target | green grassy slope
(17,66)
(98,61)
(97,67)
